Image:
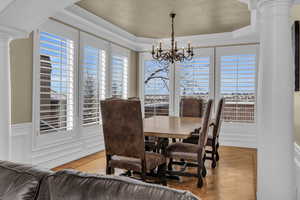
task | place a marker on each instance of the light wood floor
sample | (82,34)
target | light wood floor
(233,179)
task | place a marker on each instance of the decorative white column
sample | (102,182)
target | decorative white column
(5,97)
(275,103)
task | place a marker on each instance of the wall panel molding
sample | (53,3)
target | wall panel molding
(297,164)
(52,156)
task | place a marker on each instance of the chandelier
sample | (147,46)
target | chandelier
(172,55)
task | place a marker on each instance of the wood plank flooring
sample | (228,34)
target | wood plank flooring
(233,179)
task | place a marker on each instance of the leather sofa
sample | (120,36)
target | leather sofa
(26,182)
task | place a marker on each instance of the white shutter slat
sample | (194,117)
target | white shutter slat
(119,68)
(194,77)
(238,86)
(56,83)
(93,84)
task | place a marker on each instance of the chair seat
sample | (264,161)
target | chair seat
(185,151)
(152,161)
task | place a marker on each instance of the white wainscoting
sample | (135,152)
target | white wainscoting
(54,155)
(239,135)
(20,143)
(297,162)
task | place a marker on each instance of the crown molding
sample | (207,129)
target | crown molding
(272,3)
(29,14)
(4,4)
(12,33)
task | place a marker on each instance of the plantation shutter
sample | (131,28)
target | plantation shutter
(119,72)
(93,77)
(194,77)
(56,83)
(238,86)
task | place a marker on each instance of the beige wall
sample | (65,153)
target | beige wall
(296,16)
(21,79)
(22,72)
(133,75)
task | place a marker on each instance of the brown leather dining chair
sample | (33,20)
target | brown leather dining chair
(192,152)
(124,139)
(191,107)
(213,139)
(150,142)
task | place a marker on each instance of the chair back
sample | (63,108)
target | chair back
(191,107)
(123,128)
(205,124)
(219,118)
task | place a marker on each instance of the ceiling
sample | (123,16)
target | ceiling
(150,18)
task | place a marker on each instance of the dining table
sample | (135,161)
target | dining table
(171,127)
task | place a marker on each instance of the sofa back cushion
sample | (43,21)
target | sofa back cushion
(73,185)
(19,182)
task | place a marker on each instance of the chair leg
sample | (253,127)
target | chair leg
(213,156)
(217,153)
(204,171)
(109,170)
(199,173)
(162,174)
(170,165)
(143,176)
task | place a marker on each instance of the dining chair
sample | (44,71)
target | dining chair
(213,139)
(151,143)
(124,139)
(191,107)
(192,152)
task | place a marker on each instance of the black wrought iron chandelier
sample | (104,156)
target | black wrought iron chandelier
(174,54)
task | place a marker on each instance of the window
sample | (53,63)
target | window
(156,88)
(119,72)
(93,73)
(194,77)
(232,76)
(56,83)
(238,84)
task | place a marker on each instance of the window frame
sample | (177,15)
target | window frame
(44,140)
(146,56)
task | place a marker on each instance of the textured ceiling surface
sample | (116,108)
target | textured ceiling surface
(150,18)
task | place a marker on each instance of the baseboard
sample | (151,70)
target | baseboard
(297,164)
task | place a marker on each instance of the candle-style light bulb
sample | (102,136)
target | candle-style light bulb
(176,46)
(153,49)
(160,46)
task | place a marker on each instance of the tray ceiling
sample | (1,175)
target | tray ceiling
(150,18)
